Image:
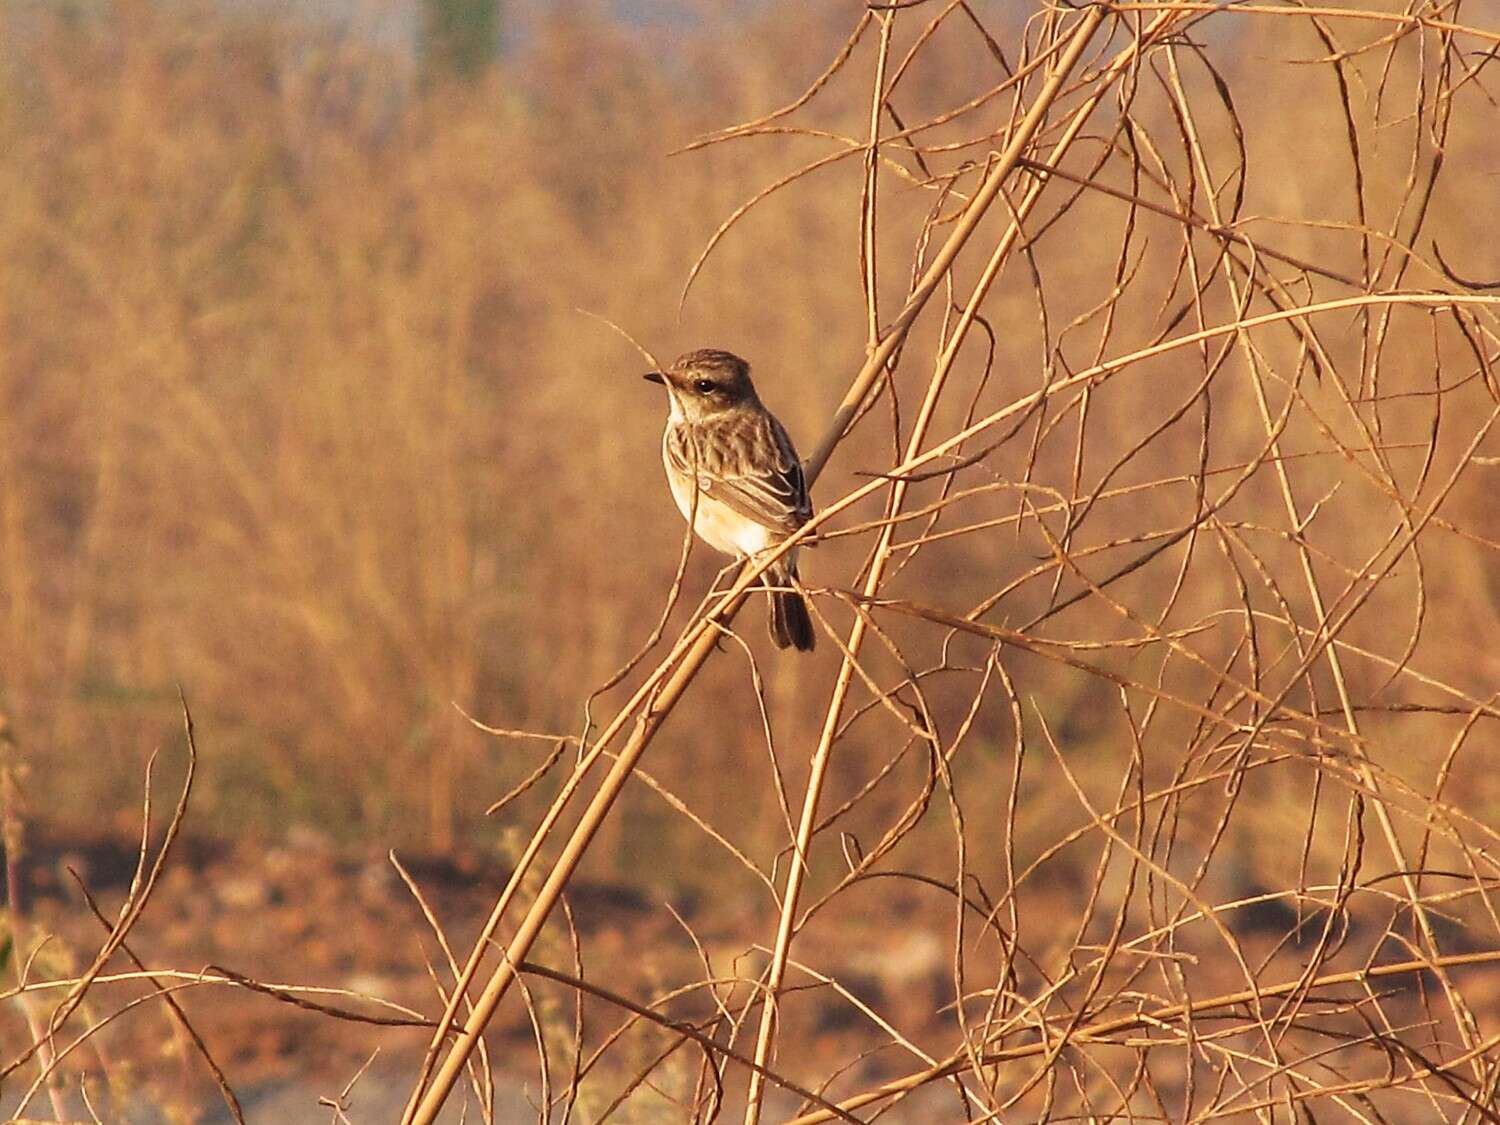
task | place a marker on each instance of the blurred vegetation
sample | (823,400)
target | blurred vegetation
(460,37)
(298,409)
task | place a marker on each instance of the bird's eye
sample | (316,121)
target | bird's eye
(704,386)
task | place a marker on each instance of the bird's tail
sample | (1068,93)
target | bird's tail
(791,625)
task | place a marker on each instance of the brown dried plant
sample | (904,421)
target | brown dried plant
(1155,557)
(1231,647)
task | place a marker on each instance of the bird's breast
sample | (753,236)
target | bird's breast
(717,524)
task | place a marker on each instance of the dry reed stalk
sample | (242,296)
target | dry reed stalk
(791,894)
(1296,518)
(424,1111)
(703,637)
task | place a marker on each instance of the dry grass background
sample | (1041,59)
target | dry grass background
(1183,691)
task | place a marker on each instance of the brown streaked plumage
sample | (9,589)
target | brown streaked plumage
(734,472)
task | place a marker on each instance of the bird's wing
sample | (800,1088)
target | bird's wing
(750,467)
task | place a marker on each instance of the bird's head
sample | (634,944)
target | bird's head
(705,383)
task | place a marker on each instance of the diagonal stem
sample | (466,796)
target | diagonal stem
(424,1107)
(1466,1026)
(678,671)
(797,871)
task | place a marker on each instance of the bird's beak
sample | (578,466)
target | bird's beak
(654,377)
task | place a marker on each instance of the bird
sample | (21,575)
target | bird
(735,475)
